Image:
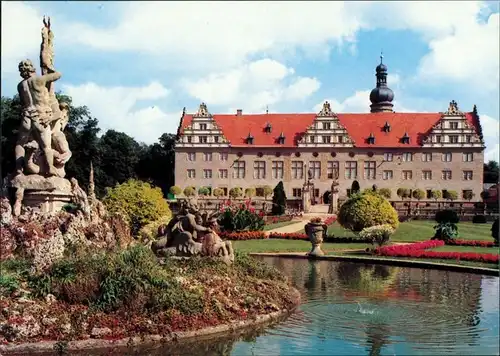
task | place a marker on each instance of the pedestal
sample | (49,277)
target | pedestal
(46,195)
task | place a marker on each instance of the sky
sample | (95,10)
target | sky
(135,65)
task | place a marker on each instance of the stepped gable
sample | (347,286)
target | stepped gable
(358,125)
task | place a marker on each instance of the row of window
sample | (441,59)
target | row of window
(466,193)
(388,157)
(332,170)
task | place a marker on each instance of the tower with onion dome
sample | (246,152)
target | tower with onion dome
(381,97)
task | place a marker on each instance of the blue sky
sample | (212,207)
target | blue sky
(137,64)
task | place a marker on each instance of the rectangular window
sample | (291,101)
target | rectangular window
(388,157)
(428,193)
(447,157)
(468,157)
(446,175)
(454,125)
(259,170)
(223,173)
(191,156)
(297,192)
(370,170)
(297,170)
(326,125)
(207,173)
(386,175)
(427,175)
(277,169)
(351,170)
(311,139)
(207,156)
(468,139)
(453,139)
(426,157)
(216,139)
(189,139)
(438,139)
(239,169)
(203,139)
(407,175)
(315,166)
(332,169)
(191,173)
(407,157)
(327,139)
(203,126)
(467,175)
(223,156)
(340,139)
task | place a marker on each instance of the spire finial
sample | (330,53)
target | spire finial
(267,109)
(381,56)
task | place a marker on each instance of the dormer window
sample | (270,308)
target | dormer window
(249,139)
(281,139)
(268,128)
(371,139)
(387,127)
(405,139)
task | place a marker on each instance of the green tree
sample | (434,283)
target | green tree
(157,162)
(385,192)
(485,195)
(419,194)
(189,191)
(267,190)
(119,155)
(218,192)
(203,191)
(279,200)
(403,193)
(250,192)
(355,188)
(235,192)
(491,172)
(367,210)
(468,195)
(436,194)
(451,195)
(175,190)
(140,203)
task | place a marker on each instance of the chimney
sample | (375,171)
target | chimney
(239,112)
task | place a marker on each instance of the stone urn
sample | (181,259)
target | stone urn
(316,230)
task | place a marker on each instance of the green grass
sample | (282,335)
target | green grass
(475,249)
(278,225)
(277,245)
(420,230)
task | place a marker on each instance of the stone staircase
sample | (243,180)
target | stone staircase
(319,209)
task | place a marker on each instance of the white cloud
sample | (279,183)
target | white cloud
(252,86)
(21,35)
(469,55)
(491,134)
(114,107)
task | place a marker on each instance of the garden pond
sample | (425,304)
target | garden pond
(360,309)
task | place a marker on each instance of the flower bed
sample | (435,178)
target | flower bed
(243,235)
(277,219)
(418,250)
(477,243)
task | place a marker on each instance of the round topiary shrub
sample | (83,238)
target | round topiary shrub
(366,210)
(447,216)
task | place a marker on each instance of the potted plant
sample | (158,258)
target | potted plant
(316,231)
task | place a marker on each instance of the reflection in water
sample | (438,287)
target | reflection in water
(358,309)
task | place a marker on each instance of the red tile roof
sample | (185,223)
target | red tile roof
(359,126)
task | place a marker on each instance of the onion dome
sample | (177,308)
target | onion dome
(381,97)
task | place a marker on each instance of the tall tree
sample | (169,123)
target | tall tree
(157,162)
(491,172)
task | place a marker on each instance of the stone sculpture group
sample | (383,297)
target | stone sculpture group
(191,233)
(42,150)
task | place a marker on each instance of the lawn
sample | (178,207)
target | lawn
(278,225)
(278,245)
(420,230)
(474,249)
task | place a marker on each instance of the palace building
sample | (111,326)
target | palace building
(428,151)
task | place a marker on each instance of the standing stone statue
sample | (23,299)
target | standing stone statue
(334,196)
(41,150)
